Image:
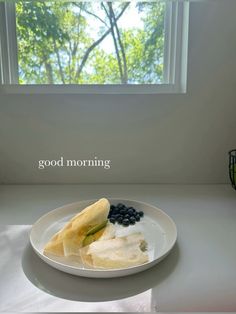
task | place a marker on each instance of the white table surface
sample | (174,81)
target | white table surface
(199,275)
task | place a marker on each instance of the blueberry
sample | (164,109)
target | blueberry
(112,207)
(117,216)
(115,211)
(120,220)
(132,220)
(137,217)
(112,220)
(113,216)
(120,205)
(125,222)
(141,213)
(127,216)
(130,211)
(122,211)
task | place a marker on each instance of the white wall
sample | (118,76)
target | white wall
(149,138)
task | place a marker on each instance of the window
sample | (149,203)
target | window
(128,47)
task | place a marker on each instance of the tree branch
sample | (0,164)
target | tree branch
(59,61)
(110,17)
(96,43)
(48,68)
(91,13)
(125,75)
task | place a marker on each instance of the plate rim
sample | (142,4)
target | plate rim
(98,270)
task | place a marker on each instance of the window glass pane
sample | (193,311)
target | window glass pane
(90,43)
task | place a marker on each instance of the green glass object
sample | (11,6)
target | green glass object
(232,167)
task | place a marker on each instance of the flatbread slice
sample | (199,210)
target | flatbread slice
(120,252)
(69,239)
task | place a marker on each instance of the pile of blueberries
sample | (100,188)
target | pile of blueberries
(124,215)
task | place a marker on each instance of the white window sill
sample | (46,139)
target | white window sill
(92,89)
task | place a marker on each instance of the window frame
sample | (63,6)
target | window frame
(175,59)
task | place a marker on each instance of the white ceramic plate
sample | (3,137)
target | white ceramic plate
(157,227)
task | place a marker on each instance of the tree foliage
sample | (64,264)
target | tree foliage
(89,43)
